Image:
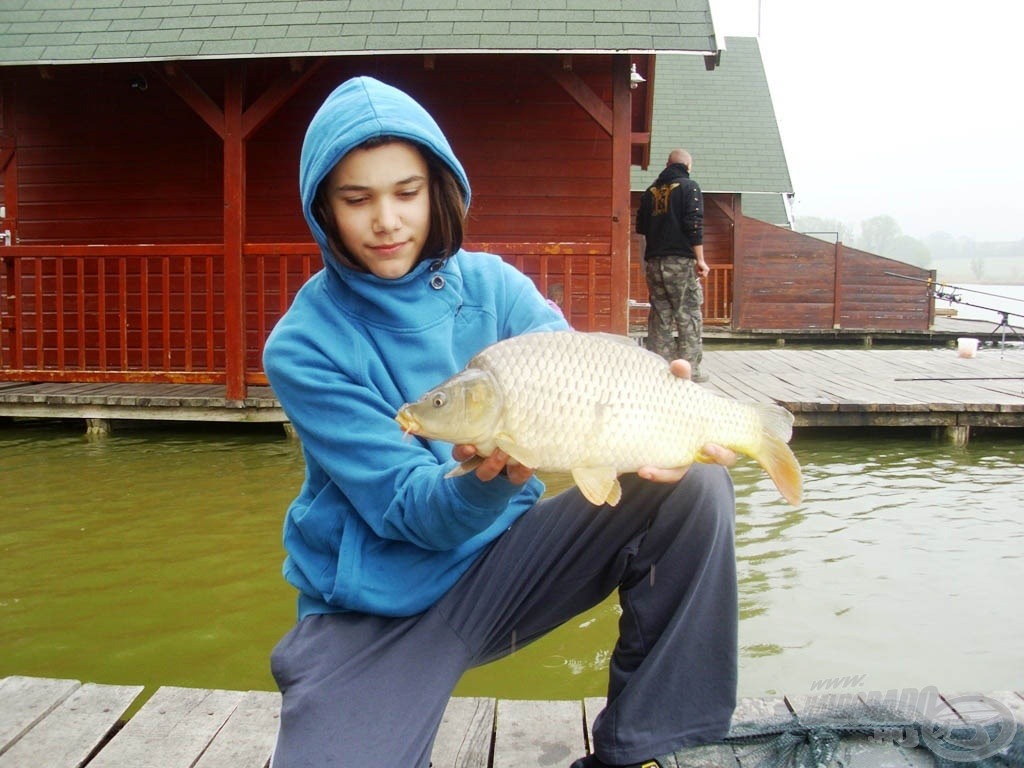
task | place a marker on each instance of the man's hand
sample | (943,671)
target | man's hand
(492,465)
(709,452)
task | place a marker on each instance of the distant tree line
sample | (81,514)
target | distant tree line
(953,257)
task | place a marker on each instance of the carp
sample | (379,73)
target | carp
(595,405)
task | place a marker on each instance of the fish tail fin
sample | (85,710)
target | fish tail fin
(775,455)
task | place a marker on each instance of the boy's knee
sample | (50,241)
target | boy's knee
(706,500)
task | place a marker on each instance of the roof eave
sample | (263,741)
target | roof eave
(395,52)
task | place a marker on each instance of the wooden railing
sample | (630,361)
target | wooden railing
(577,276)
(156,313)
(718,292)
(112,313)
(138,312)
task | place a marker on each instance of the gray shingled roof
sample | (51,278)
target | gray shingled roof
(726,120)
(85,31)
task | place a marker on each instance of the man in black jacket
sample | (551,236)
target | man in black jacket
(671,219)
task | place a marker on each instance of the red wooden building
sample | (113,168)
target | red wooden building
(148,166)
(764,277)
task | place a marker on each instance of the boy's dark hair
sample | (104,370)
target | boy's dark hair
(447,205)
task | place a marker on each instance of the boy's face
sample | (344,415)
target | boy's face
(380,199)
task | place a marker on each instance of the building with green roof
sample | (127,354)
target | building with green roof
(144,137)
(725,118)
(84,31)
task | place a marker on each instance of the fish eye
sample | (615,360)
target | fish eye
(439,399)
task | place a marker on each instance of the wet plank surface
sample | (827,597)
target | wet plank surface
(824,387)
(61,723)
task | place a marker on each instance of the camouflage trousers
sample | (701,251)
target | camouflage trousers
(675,323)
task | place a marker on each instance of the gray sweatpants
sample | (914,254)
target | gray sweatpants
(362,690)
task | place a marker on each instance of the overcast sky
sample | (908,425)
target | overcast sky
(911,108)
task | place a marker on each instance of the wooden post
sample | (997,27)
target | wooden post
(621,211)
(837,288)
(234,234)
(958,434)
(736,304)
(97,427)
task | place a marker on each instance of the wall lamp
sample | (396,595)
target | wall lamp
(635,78)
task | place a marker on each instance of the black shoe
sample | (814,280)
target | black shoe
(707,756)
(591,761)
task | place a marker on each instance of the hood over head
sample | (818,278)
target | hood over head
(672,172)
(357,110)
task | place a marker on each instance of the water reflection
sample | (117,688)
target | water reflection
(154,557)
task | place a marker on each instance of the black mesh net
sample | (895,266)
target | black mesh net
(900,729)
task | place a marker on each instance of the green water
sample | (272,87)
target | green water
(153,557)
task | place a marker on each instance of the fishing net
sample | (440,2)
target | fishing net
(908,729)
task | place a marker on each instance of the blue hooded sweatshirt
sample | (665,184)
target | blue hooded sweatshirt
(376,526)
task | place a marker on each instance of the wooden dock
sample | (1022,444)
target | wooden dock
(158,402)
(47,723)
(822,387)
(873,387)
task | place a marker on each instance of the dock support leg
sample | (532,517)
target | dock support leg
(97,427)
(289,431)
(958,434)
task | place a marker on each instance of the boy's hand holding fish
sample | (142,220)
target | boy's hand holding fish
(499,461)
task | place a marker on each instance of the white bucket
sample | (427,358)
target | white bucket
(966,347)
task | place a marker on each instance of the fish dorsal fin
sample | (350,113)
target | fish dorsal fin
(599,485)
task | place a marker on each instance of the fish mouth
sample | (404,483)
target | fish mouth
(409,423)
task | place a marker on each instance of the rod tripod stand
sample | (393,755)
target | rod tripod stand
(1004,325)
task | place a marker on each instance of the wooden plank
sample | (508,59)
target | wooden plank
(997,716)
(24,701)
(822,387)
(466,733)
(591,709)
(538,733)
(248,737)
(718,755)
(69,734)
(171,731)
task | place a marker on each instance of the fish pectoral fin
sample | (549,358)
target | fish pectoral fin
(599,485)
(522,455)
(465,467)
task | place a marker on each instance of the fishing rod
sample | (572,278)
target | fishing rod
(952,294)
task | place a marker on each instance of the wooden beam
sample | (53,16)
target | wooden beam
(8,159)
(649,68)
(192,94)
(234,232)
(837,287)
(584,95)
(739,267)
(729,213)
(621,209)
(277,94)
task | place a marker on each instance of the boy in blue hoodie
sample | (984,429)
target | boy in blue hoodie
(406,577)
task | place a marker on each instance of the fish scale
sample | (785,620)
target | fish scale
(596,405)
(639,408)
